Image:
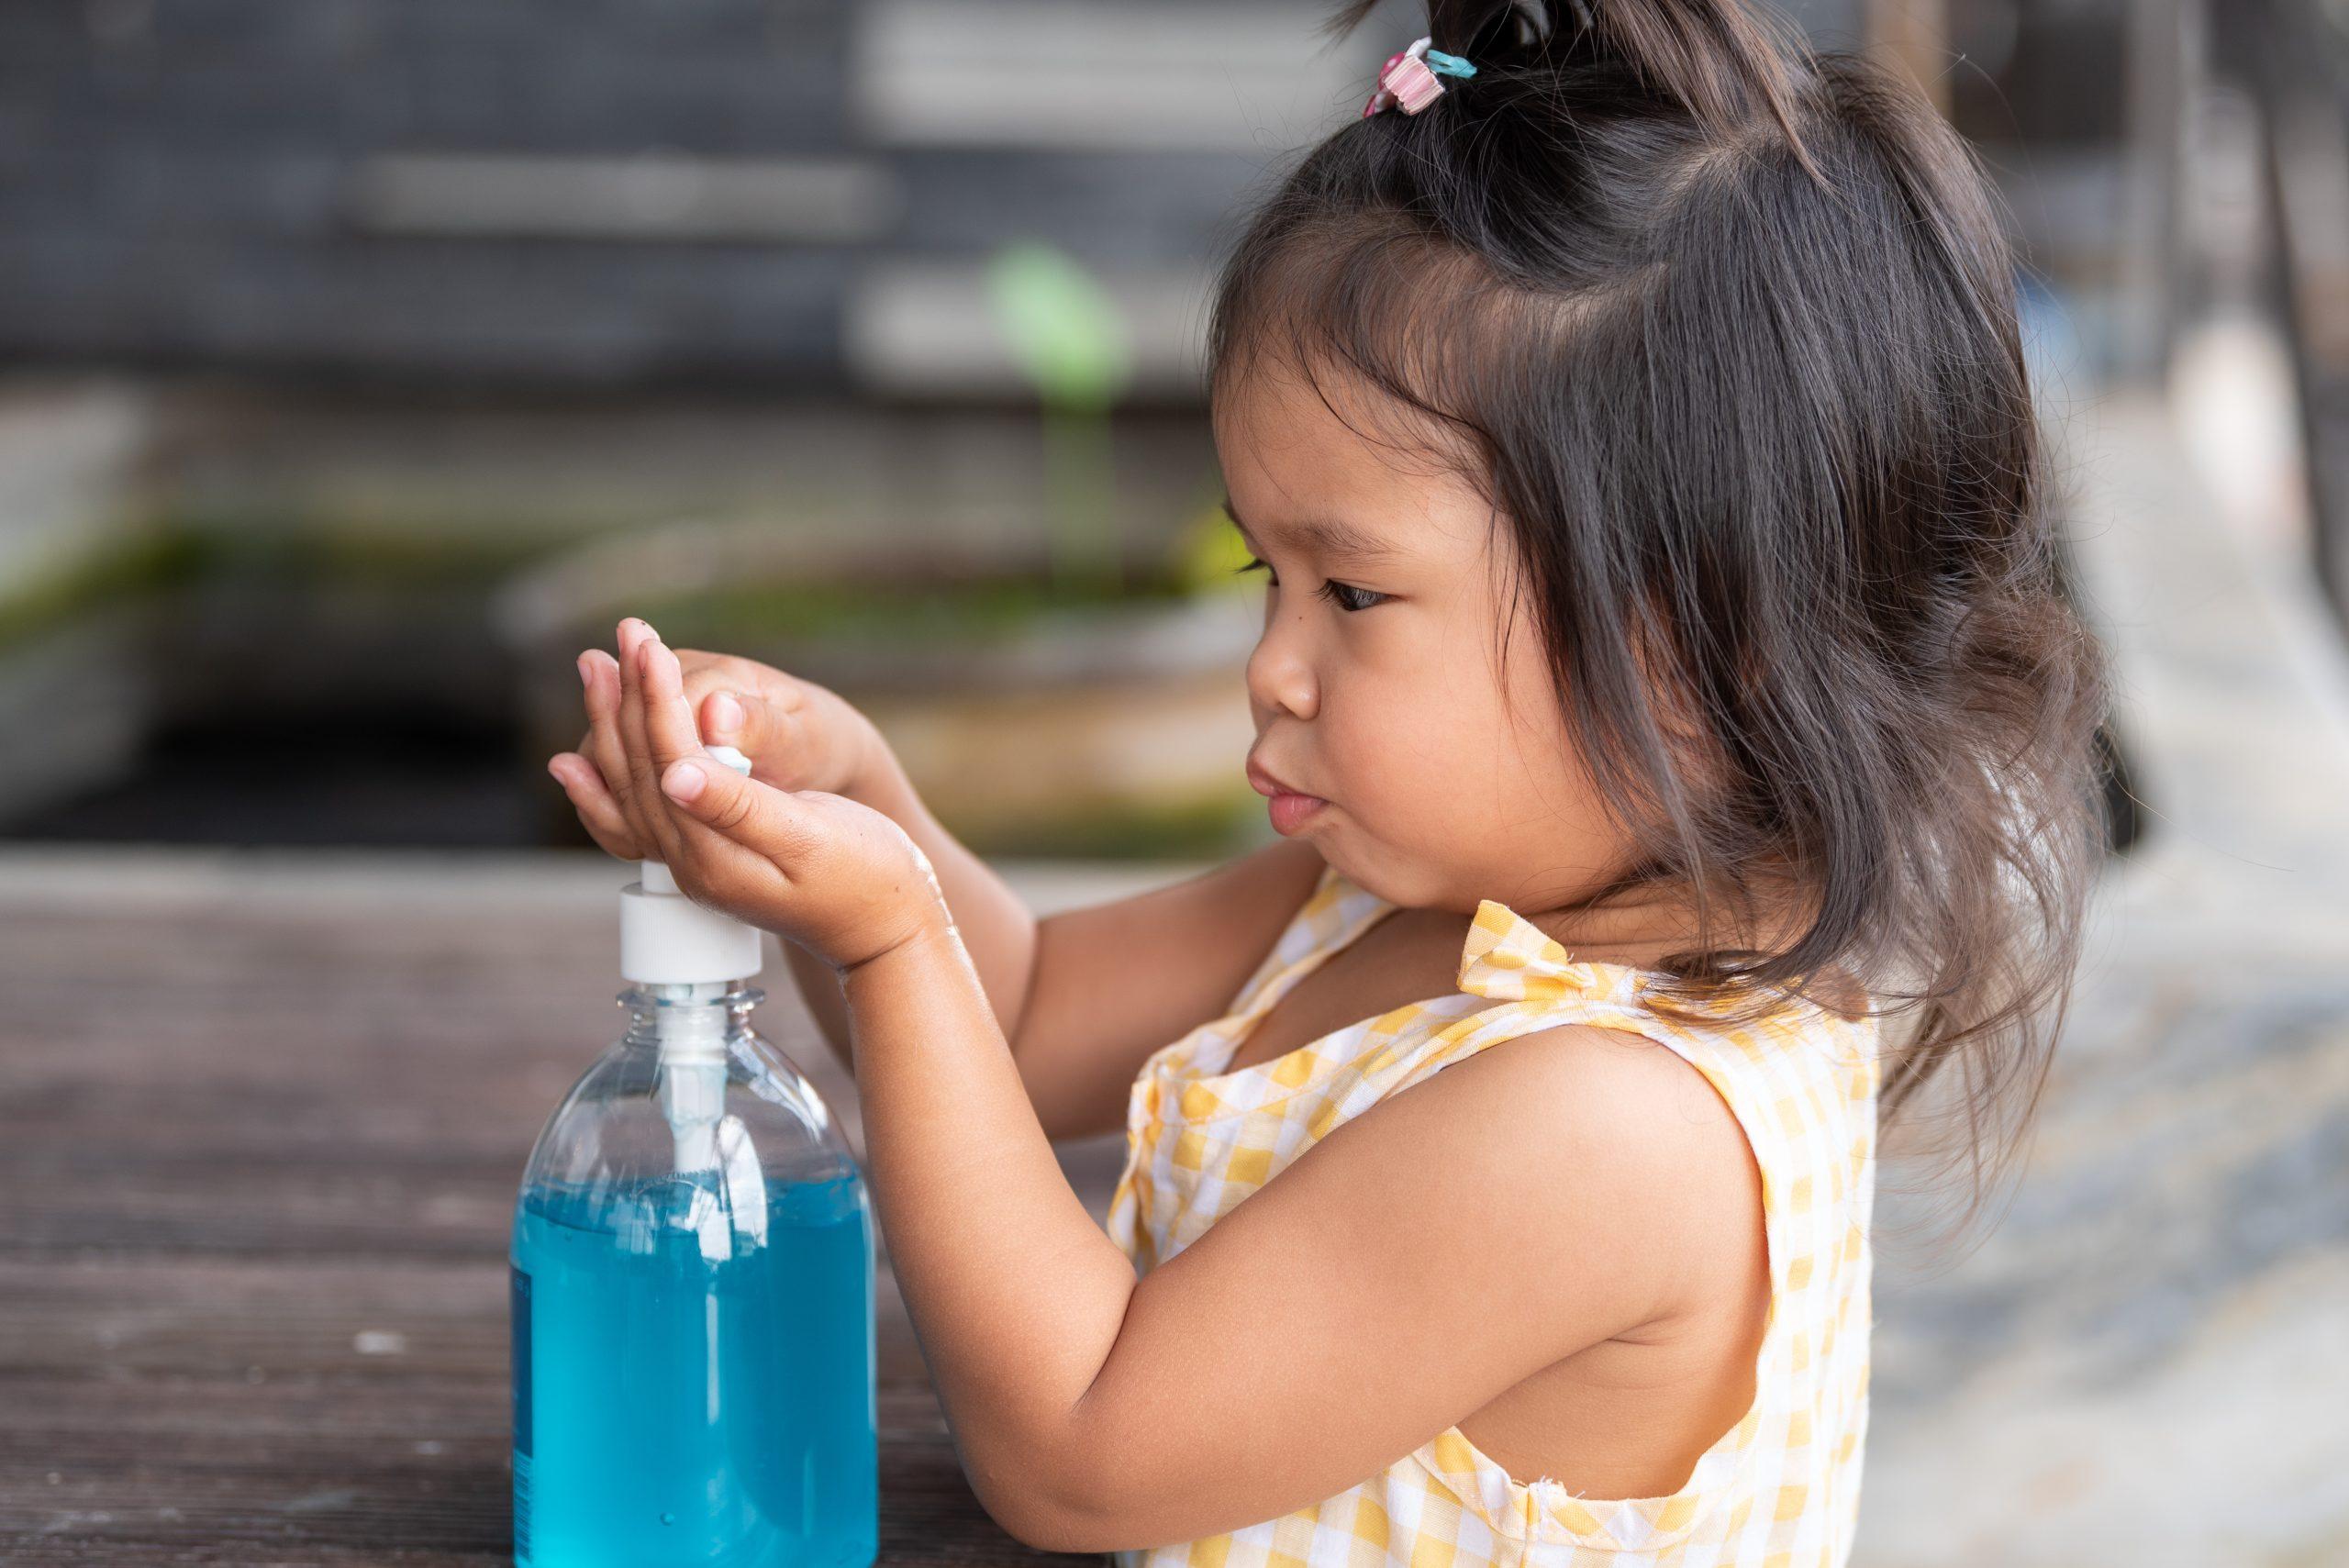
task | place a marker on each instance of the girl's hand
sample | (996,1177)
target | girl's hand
(799,736)
(836,876)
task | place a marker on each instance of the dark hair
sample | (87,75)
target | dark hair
(1725,329)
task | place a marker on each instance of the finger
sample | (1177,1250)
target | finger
(740,810)
(632,635)
(674,743)
(601,676)
(725,721)
(598,812)
(642,774)
(761,728)
(669,730)
(715,694)
(764,726)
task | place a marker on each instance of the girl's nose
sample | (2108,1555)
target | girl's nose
(1279,680)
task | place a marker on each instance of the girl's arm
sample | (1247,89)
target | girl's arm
(1113,983)
(1423,1258)
(998,927)
(1085,995)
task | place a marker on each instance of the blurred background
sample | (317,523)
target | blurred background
(361,361)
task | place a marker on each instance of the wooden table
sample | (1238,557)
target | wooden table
(262,1120)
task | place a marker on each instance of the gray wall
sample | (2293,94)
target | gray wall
(797,192)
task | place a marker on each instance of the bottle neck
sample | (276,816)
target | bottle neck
(692,1031)
(696,1019)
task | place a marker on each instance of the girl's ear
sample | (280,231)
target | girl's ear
(1670,676)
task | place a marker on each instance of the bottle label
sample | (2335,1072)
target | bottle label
(520,1308)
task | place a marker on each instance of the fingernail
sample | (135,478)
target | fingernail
(554,766)
(587,671)
(682,782)
(726,713)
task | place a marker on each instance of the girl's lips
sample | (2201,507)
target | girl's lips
(1291,811)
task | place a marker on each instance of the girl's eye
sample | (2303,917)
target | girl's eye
(1345,596)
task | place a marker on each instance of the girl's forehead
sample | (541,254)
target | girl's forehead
(1279,397)
(1290,455)
(1332,426)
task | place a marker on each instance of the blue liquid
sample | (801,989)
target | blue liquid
(691,1386)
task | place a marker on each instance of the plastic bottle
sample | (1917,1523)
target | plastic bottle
(692,1278)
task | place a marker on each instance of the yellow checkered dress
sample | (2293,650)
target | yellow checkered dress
(1780,1489)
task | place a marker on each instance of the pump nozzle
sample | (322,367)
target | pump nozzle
(666,939)
(686,954)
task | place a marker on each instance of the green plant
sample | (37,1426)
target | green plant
(1069,340)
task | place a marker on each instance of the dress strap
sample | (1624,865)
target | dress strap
(1333,914)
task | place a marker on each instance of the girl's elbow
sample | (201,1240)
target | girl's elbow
(1051,1530)
(1069,1500)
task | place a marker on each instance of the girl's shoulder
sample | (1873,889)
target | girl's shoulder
(1797,1074)
(1632,1150)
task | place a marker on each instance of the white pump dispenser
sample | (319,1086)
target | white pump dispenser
(685,958)
(666,939)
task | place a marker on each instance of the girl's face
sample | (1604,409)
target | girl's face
(1379,685)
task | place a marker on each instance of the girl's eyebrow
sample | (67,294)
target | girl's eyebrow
(1326,537)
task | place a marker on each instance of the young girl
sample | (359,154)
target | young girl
(1663,684)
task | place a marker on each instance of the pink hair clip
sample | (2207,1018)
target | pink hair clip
(1408,78)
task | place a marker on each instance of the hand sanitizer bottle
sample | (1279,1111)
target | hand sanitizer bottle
(692,1275)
